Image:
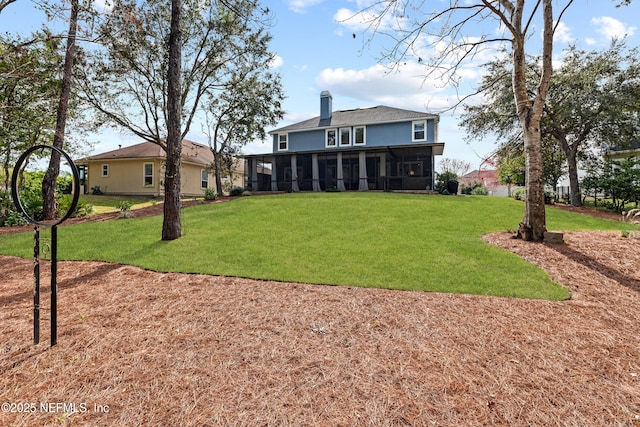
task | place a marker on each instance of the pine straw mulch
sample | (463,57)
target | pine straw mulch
(193,350)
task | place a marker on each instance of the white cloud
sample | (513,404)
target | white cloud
(377,85)
(103,5)
(611,28)
(276,62)
(562,33)
(301,6)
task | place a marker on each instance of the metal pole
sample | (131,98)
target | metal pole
(36,285)
(54,285)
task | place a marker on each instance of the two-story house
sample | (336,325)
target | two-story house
(376,148)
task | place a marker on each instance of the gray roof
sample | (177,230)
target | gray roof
(357,117)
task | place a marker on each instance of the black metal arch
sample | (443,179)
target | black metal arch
(14,185)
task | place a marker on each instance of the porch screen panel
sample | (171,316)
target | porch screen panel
(363,186)
(254,174)
(315,175)
(274,176)
(340,174)
(294,173)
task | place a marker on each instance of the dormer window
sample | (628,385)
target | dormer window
(331,138)
(359,135)
(345,136)
(419,131)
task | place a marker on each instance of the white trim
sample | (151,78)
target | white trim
(286,142)
(413,130)
(335,138)
(144,174)
(102,170)
(364,136)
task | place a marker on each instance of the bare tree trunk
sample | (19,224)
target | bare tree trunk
(49,181)
(529,112)
(218,172)
(171,226)
(575,196)
(533,226)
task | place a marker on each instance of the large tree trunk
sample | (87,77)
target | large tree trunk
(575,195)
(171,226)
(529,112)
(49,181)
(533,224)
(218,172)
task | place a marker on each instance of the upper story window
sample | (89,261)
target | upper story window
(283,142)
(105,170)
(148,174)
(359,135)
(345,136)
(330,140)
(419,131)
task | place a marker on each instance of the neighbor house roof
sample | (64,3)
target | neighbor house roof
(356,117)
(191,152)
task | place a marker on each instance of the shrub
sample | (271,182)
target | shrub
(518,193)
(210,194)
(125,208)
(246,193)
(236,191)
(480,191)
(96,190)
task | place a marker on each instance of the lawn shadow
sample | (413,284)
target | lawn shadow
(94,273)
(597,266)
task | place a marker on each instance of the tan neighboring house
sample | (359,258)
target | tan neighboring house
(139,170)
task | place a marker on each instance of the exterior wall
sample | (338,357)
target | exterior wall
(126,177)
(377,135)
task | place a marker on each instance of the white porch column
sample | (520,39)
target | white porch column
(340,174)
(315,173)
(363,185)
(294,173)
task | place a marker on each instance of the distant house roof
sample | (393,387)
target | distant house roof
(355,117)
(634,145)
(191,152)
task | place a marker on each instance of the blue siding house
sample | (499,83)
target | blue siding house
(376,148)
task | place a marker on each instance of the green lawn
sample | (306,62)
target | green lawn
(387,240)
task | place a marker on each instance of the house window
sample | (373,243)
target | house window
(330,138)
(283,142)
(148,174)
(204,178)
(359,136)
(345,136)
(105,170)
(420,131)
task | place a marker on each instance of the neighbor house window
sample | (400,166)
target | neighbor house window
(420,131)
(283,142)
(148,174)
(204,179)
(359,135)
(105,170)
(331,138)
(345,136)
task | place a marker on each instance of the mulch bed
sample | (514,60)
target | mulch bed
(137,347)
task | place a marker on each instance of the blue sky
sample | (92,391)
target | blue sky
(316,50)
